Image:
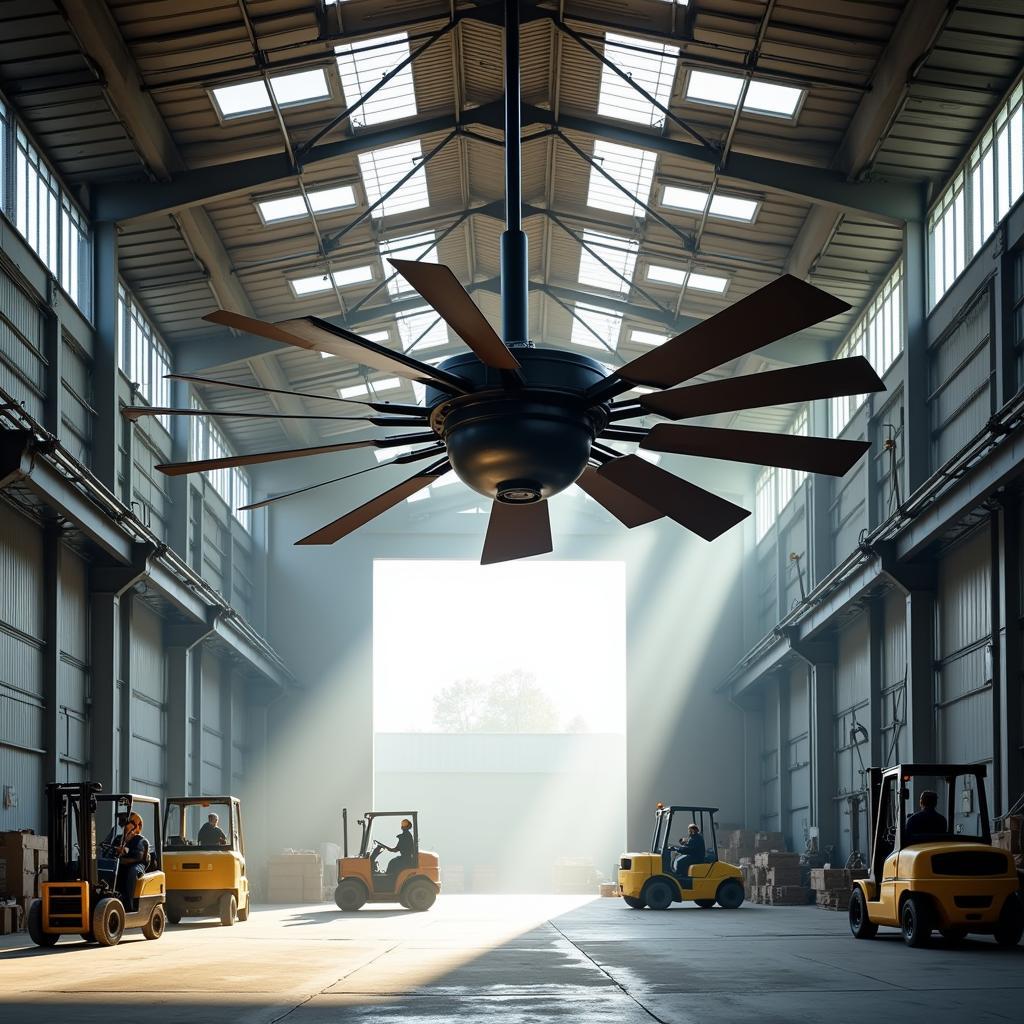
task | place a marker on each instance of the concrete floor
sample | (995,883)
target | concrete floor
(512,959)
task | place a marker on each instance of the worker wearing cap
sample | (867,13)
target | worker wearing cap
(133,859)
(405,847)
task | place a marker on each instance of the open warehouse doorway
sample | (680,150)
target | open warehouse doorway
(500,717)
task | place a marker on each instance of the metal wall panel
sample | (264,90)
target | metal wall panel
(216,541)
(848,510)
(767,588)
(887,462)
(798,760)
(22,764)
(149,701)
(770,761)
(22,367)
(793,540)
(150,488)
(77,413)
(852,695)
(894,675)
(964,725)
(211,770)
(960,373)
(74,677)
(239,734)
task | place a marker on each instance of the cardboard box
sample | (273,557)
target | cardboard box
(23,860)
(12,918)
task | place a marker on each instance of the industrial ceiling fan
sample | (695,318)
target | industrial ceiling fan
(519,423)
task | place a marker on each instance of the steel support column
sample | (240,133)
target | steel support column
(184,678)
(916,414)
(52,554)
(823,765)
(104,369)
(1007,674)
(920,700)
(53,353)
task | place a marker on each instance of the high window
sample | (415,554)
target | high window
(764,502)
(776,486)
(294,89)
(649,65)
(767,98)
(293,205)
(312,284)
(142,355)
(207,441)
(382,169)
(617,256)
(419,247)
(593,327)
(689,278)
(631,168)
(694,198)
(878,336)
(43,212)
(979,195)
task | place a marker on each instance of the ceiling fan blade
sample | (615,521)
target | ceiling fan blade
(516,531)
(258,458)
(789,451)
(324,336)
(136,412)
(626,507)
(706,514)
(852,376)
(427,453)
(360,516)
(394,407)
(439,286)
(775,311)
(316,335)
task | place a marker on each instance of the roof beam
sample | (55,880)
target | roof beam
(913,36)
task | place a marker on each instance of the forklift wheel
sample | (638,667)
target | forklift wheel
(419,894)
(227,908)
(916,921)
(35,926)
(634,903)
(705,904)
(658,894)
(88,937)
(154,927)
(1011,923)
(730,894)
(174,918)
(860,924)
(243,912)
(350,895)
(108,921)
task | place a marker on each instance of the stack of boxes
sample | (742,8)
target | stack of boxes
(1011,839)
(777,879)
(23,860)
(295,876)
(833,886)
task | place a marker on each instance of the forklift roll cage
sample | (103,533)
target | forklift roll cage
(663,819)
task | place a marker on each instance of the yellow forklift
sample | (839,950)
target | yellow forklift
(85,889)
(360,878)
(648,879)
(205,859)
(938,870)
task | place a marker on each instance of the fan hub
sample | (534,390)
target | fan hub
(521,444)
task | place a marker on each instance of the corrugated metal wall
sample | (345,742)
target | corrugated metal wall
(960,399)
(963,625)
(148,702)
(214,683)
(894,676)
(22,367)
(74,673)
(77,410)
(770,760)
(22,644)
(239,735)
(852,696)
(798,759)
(848,508)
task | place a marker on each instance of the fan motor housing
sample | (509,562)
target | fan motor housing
(521,442)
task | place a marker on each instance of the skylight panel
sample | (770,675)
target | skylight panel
(617,252)
(408,247)
(322,200)
(649,65)
(762,97)
(319,282)
(360,72)
(632,168)
(290,90)
(676,276)
(359,390)
(422,328)
(382,169)
(640,337)
(605,323)
(693,200)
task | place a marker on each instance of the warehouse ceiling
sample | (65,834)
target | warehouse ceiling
(160,111)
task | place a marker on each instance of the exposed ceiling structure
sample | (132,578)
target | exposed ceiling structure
(162,112)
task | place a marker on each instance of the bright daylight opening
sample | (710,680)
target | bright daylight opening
(675,276)
(289,90)
(383,169)
(508,741)
(595,328)
(723,206)
(321,200)
(762,97)
(607,261)
(648,65)
(321,283)
(631,168)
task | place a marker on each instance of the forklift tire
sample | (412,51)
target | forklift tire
(953,936)
(174,918)
(108,921)
(35,926)
(243,912)
(705,904)
(861,926)
(154,927)
(659,894)
(419,895)
(227,908)
(1011,923)
(88,937)
(730,894)
(633,903)
(350,895)
(916,921)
